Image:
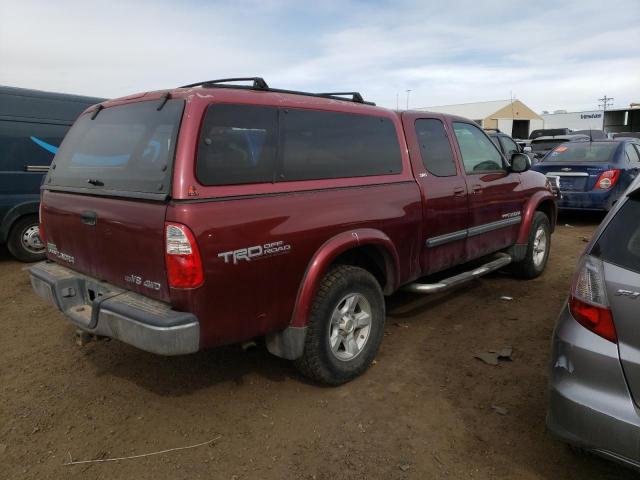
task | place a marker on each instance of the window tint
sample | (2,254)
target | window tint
(509,147)
(435,149)
(582,152)
(124,148)
(620,242)
(237,145)
(321,144)
(479,154)
(632,153)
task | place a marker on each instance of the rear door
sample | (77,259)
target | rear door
(445,208)
(495,197)
(105,196)
(619,249)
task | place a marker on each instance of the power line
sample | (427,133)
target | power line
(605,102)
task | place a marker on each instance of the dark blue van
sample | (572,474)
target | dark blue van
(32,126)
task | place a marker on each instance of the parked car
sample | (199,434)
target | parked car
(592,134)
(217,213)
(592,175)
(541,146)
(548,132)
(627,135)
(32,125)
(595,367)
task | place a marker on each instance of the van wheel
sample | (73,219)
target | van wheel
(538,249)
(346,326)
(24,240)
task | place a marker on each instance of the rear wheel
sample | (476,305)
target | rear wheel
(538,248)
(24,241)
(346,326)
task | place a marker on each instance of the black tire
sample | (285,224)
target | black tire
(528,268)
(318,361)
(20,249)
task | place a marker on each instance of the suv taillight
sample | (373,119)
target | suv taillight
(588,302)
(184,265)
(607,179)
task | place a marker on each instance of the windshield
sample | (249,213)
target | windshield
(582,152)
(127,148)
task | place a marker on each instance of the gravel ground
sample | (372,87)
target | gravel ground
(424,410)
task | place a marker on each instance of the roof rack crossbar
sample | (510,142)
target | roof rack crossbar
(260,84)
(355,96)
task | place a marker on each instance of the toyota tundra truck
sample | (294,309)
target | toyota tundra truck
(220,212)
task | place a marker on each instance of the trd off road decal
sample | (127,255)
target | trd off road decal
(256,252)
(511,215)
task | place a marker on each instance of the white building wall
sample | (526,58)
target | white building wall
(505,125)
(574,120)
(535,125)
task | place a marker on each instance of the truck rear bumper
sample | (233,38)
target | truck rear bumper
(104,309)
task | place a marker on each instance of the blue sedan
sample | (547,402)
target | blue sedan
(592,174)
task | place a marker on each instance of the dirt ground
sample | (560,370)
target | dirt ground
(424,410)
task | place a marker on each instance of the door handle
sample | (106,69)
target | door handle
(476,188)
(458,191)
(89,218)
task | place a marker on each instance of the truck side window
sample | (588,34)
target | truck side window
(479,154)
(320,145)
(509,147)
(435,148)
(237,145)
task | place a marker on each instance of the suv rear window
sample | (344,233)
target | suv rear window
(253,144)
(126,148)
(620,242)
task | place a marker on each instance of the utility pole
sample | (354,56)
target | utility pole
(408,93)
(605,102)
(397,101)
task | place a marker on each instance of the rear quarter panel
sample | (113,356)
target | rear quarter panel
(250,298)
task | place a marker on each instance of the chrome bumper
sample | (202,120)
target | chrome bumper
(104,309)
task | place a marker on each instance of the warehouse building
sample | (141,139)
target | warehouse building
(510,116)
(614,120)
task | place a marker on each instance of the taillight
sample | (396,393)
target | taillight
(41,225)
(588,302)
(184,265)
(607,179)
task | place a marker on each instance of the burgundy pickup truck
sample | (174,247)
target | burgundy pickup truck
(216,213)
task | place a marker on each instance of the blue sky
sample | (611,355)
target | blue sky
(551,55)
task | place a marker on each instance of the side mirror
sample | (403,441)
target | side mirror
(520,163)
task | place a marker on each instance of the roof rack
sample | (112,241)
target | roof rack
(497,130)
(258,83)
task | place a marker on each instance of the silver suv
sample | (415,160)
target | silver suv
(595,367)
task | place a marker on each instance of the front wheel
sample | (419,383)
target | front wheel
(346,326)
(538,248)
(24,241)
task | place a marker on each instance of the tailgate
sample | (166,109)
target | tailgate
(117,240)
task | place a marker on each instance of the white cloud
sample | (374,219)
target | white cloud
(549,56)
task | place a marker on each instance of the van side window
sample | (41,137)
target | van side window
(435,148)
(237,145)
(479,154)
(322,145)
(24,144)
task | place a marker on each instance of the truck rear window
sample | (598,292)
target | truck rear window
(126,148)
(242,144)
(620,242)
